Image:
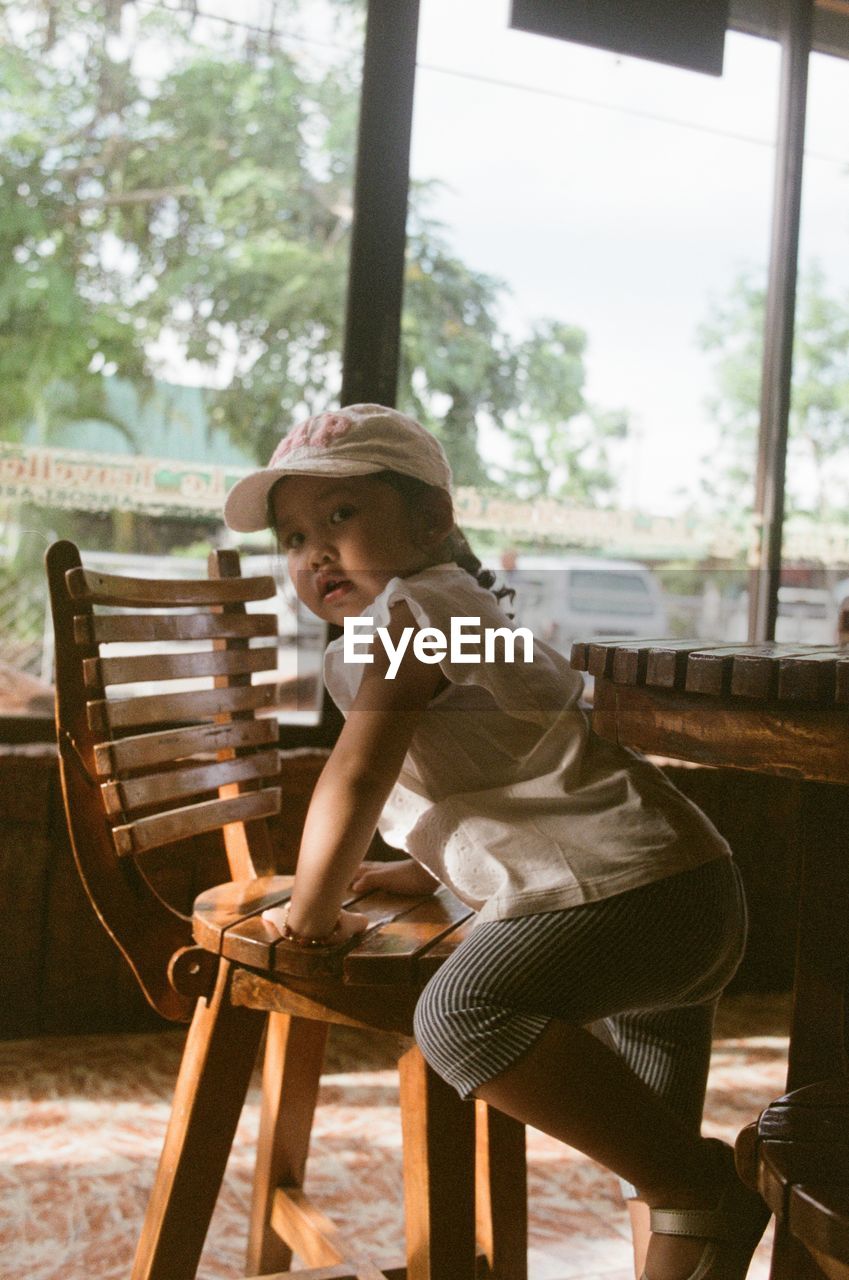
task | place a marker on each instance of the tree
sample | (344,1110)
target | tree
(560,441)
(454,362)
(175,193)
(187,208)
(819,411)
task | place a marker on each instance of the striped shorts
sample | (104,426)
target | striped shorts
(644,968)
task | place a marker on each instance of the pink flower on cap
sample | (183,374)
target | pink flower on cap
(317,433)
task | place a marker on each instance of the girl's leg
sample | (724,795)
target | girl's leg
(669,1050)
(504,1019)
(573,1087)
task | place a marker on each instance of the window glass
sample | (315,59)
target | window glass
(815,549)
(584,228)
(592,591)
(175,209)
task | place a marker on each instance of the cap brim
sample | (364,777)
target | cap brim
(246,505)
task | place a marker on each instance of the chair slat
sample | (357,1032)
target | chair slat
(430,961)
(145,749)
(154,593)
(809,679)
(217,909)
(141,628)
(191,820)
(100,672)
(393,954)
(180,784)
(106,714)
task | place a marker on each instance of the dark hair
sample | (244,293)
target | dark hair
(269,507)
(455,548)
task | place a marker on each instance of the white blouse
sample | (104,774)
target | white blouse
(506,795)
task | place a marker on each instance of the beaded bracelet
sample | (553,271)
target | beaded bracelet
(304,939)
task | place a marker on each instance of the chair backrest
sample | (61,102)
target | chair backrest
(146,761)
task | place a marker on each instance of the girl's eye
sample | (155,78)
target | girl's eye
(340,514)
(293,541)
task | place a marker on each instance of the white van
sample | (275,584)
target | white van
(806,615)
(568,598)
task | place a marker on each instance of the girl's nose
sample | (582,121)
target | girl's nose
(319,554)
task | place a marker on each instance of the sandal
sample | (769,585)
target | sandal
(731,1230)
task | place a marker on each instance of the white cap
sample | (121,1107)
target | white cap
(356,441)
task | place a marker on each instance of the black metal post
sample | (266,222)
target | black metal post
(378,242)
(777,371)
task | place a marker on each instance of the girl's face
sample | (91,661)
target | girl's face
(345,537)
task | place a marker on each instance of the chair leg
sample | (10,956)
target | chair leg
(214,1076)
(501,1193)
(790,1259)
(294,1055)
(439,1162)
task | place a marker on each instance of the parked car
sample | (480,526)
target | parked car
(568,598)
(806,615)
(840,598)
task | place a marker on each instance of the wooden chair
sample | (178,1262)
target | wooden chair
(153,768)
(797,1155)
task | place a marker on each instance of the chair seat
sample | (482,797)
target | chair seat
(797,1156)
(374,981)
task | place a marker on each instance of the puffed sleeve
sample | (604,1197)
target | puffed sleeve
(530,681)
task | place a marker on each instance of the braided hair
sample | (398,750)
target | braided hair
(455,548)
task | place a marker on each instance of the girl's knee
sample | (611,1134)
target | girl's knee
(437,1024)
(449,1020)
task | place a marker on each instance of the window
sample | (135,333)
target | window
(610,591)
(581,225)
(176,210)
(815,546)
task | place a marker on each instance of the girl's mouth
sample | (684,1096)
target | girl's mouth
(333,590)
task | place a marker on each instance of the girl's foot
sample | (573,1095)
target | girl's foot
(711,1233)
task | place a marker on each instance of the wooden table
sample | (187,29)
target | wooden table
(776,709)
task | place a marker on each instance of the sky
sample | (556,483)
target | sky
(622,196)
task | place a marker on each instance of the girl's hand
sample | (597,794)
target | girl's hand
(350,924)
(407,877)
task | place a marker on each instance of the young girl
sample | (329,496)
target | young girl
(603,896)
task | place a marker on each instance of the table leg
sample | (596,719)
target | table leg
(818,1023)
(818,1030)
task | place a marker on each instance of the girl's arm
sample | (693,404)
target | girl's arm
(355,784)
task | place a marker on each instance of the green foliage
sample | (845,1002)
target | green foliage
(455,365)
(819,411)
(552,459)
(184,208)
(168,197)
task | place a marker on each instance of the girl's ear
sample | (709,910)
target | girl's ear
(434,519)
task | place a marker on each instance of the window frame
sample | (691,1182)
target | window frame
(376,267)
